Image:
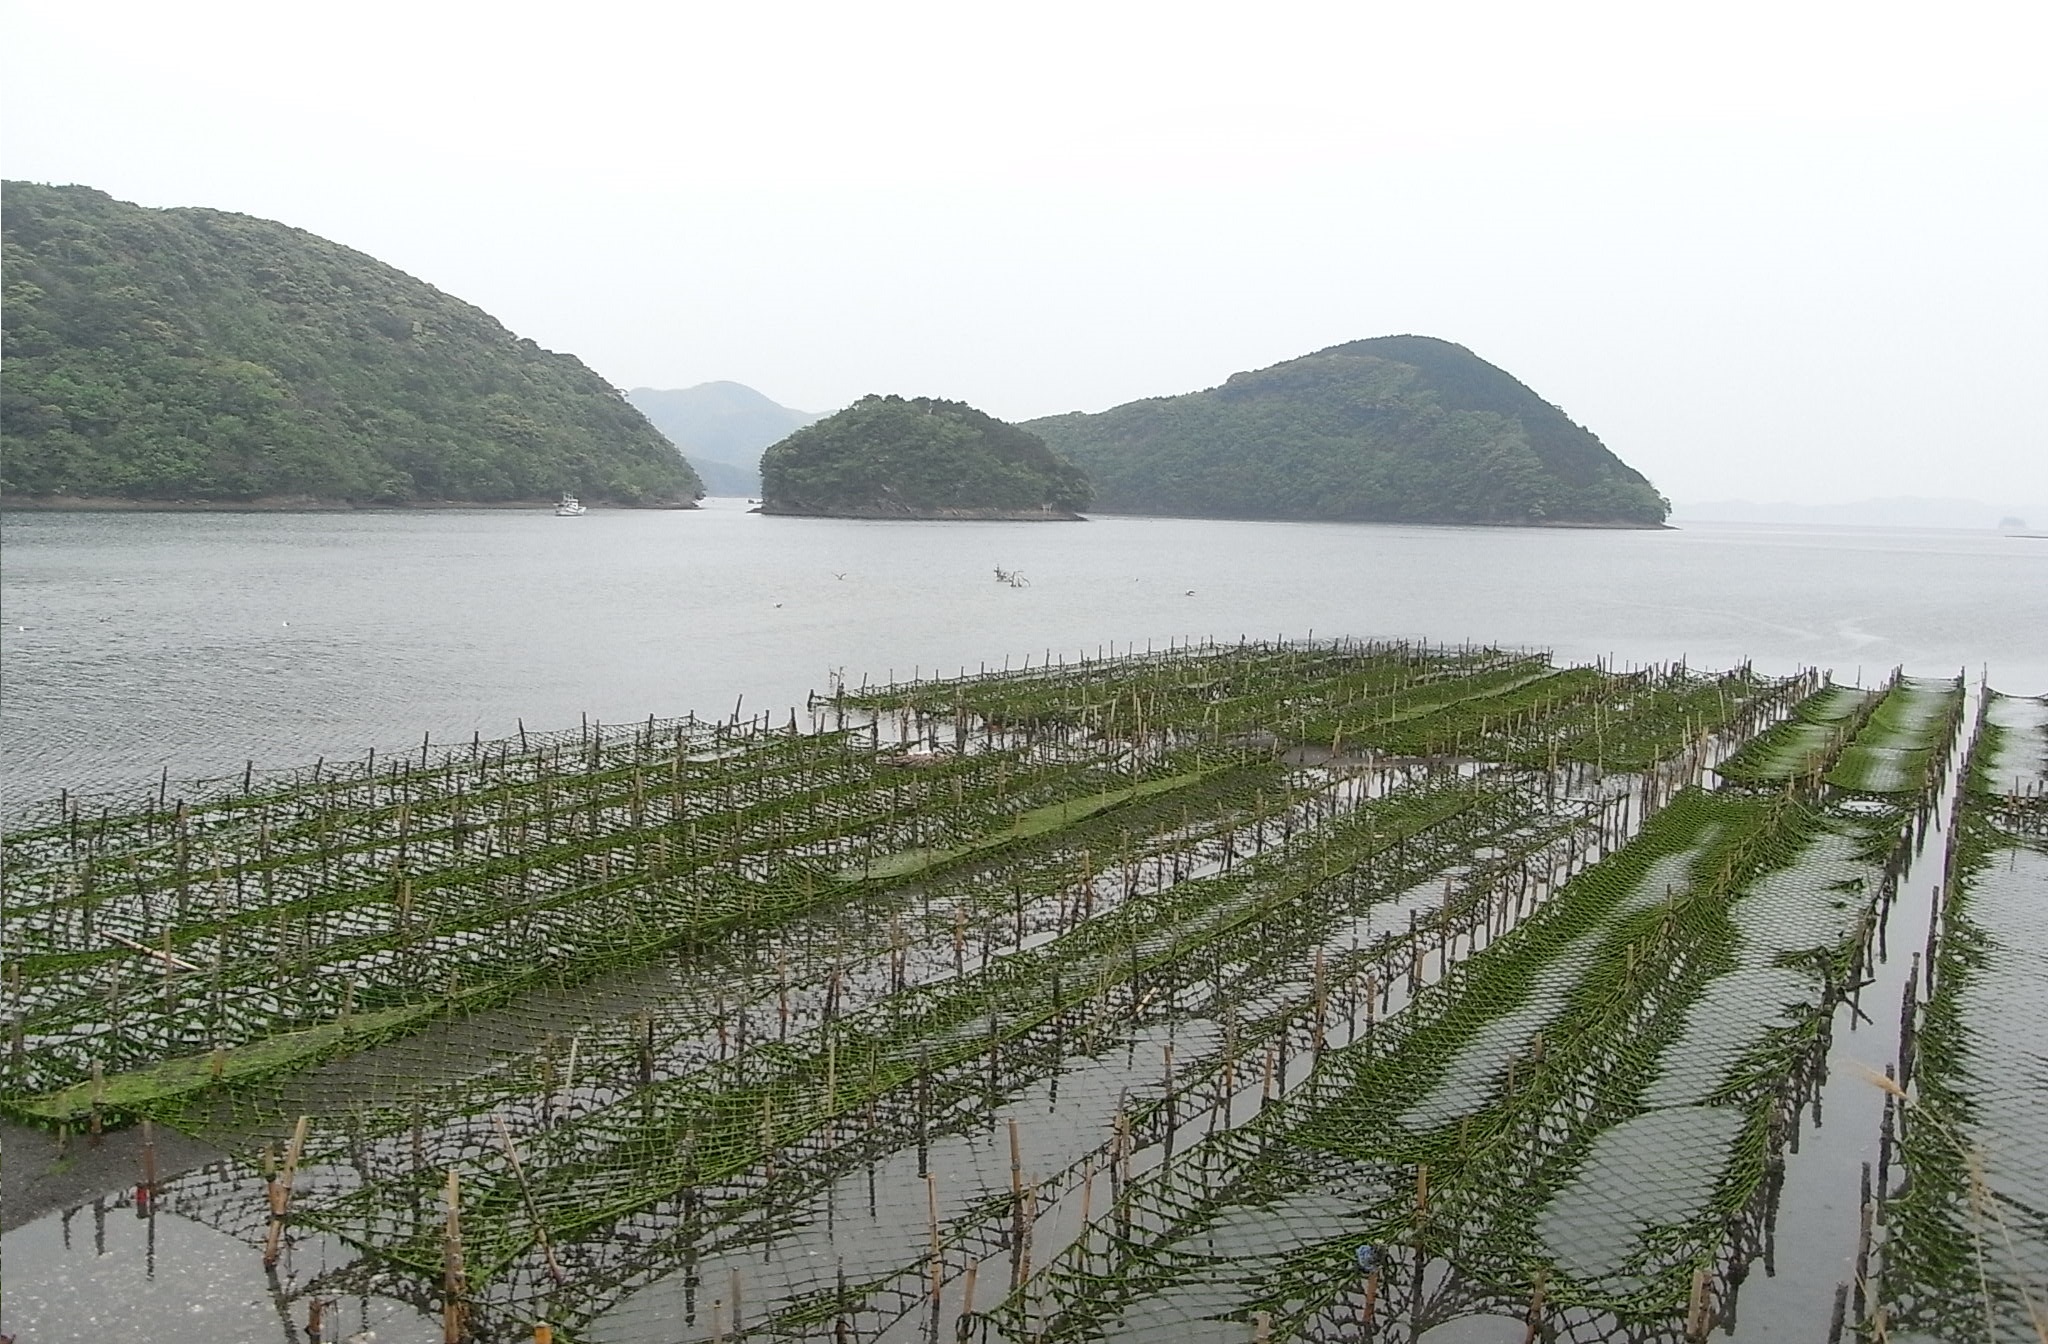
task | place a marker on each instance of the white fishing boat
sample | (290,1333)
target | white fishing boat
(570,507)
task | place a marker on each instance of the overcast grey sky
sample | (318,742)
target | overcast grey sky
(1781,250)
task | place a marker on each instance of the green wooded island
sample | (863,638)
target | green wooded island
(1405,429)
(918,457)
(201,357)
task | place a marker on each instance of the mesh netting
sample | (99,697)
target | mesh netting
(1896,747)
(1128,995)
(2009,766)
(1964,1256)
(1804,745)
(1545,1112)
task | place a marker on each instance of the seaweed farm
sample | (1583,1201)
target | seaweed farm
(1261,991)
(1963,1253)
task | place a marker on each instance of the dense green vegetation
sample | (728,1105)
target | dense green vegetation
(897,457)
(1395,429)
(196,355)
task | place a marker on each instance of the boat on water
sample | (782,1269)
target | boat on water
(570,507)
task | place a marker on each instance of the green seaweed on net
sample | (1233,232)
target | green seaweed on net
(970,798)
(1963,1255)
(1805,745)
(1895,749)
(1644,962)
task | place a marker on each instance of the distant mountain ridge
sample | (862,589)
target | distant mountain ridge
(199,357)
(722,428)
(1391,429)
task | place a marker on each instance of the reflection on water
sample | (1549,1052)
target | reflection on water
(118,1268)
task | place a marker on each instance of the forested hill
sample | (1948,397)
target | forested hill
(920,457)
(194,355)
(1394,429)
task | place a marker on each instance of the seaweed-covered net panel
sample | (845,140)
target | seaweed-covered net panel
(1805,745)
(1963,1252)
(1899,744)
(2009,772)
(1584,1117)
(1224,988)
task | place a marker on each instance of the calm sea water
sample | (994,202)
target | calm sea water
(138,642)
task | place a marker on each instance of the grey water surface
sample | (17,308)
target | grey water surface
(136,642)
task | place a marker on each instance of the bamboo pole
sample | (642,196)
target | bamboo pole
(1696,1307)
(280,1193)
(540,1230)
(454,1278)
(1016,1208)
(1024,1244)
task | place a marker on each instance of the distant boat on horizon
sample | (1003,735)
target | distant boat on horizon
(570,507)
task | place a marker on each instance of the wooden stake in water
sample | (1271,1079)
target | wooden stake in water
(149,1158)
(1862,1281)
(540,1230)
(454,1279)
(1535,1330)
(1016,1208)
(1024,1245)
(281,1193)
(1886,1130)
(1838,1319)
